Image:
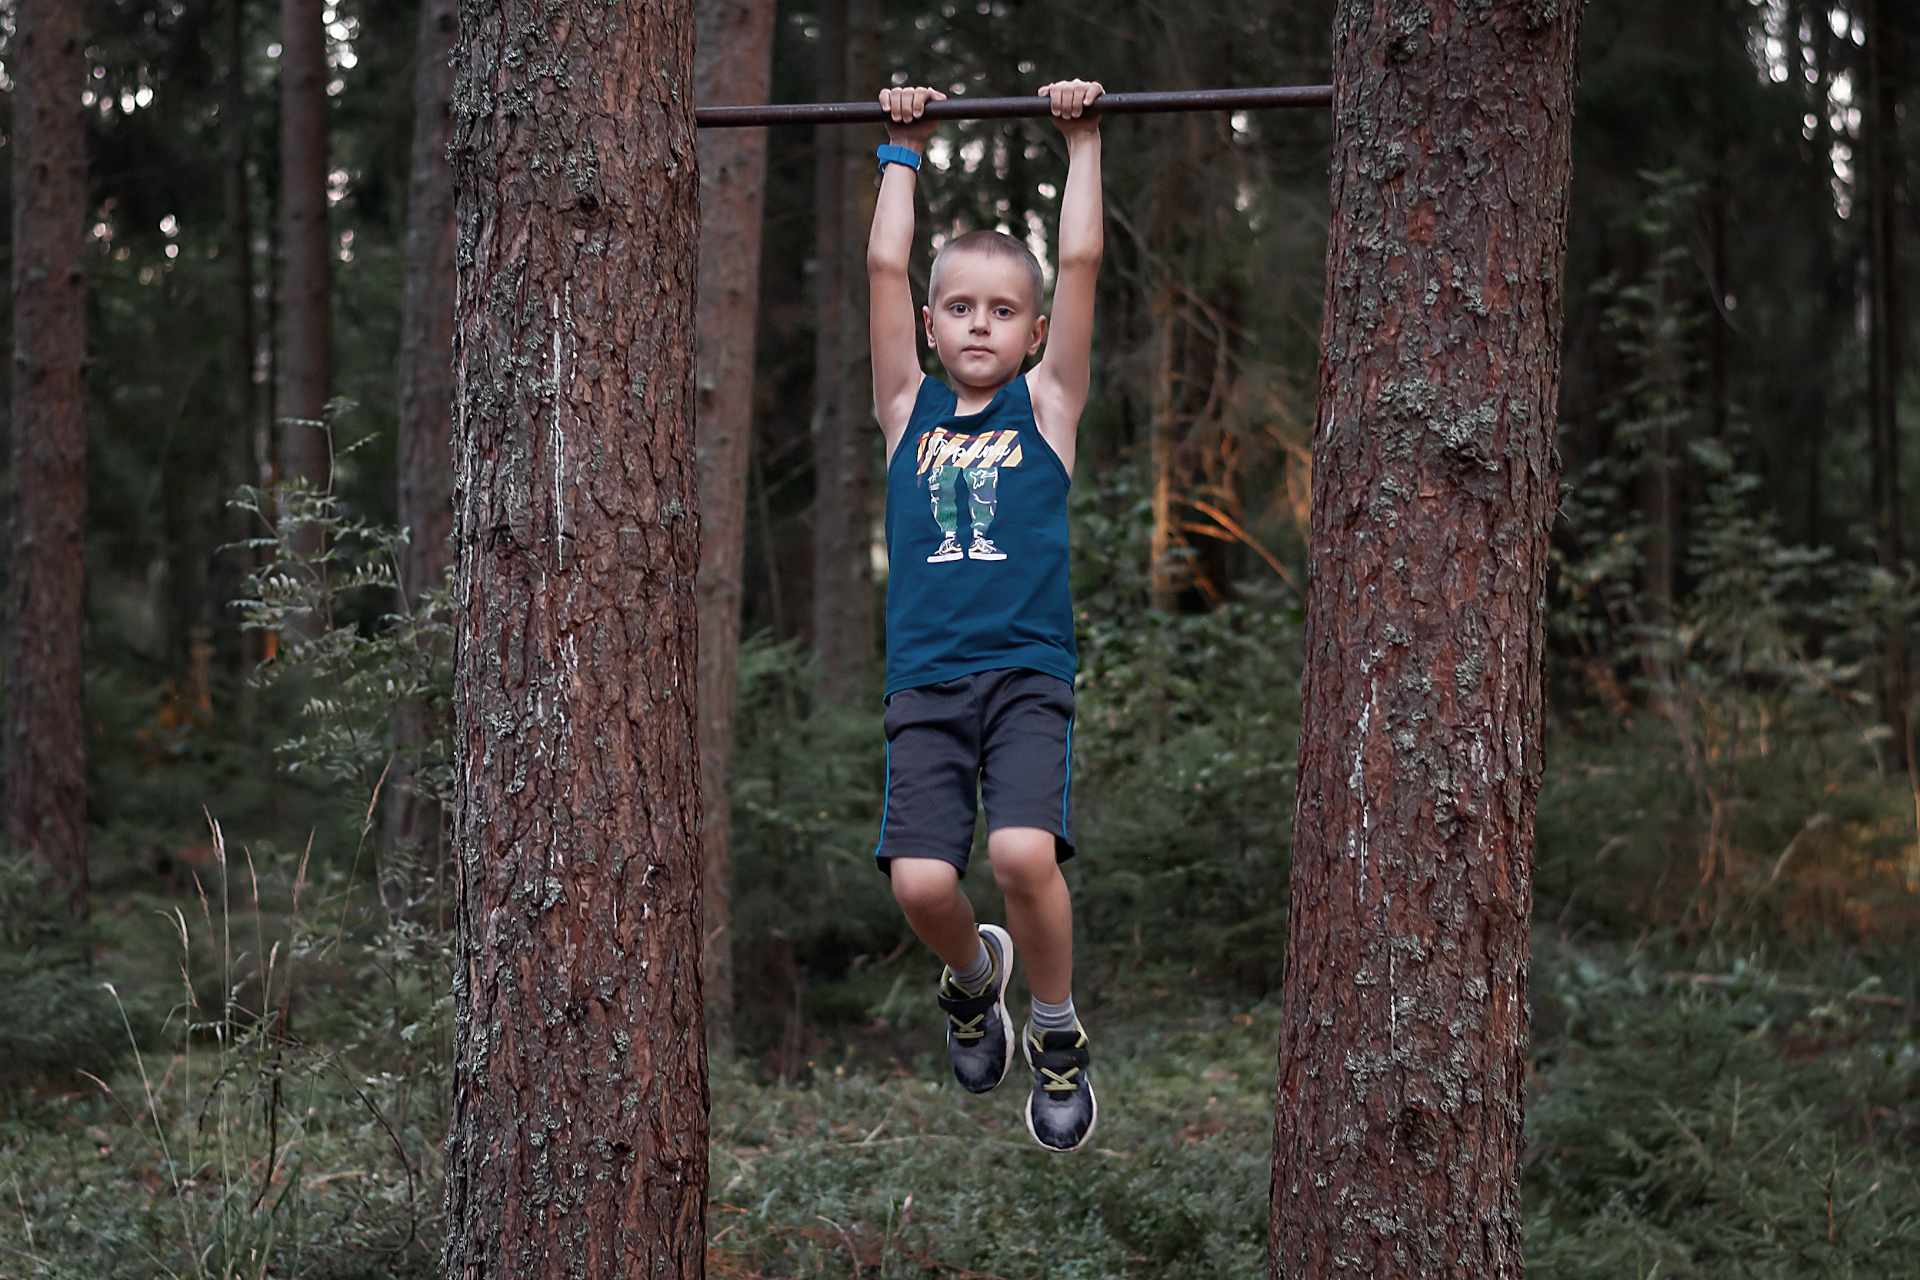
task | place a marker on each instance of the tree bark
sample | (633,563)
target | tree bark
(306,365)
(425,427)
(239,201)
(1885,178)
(578,1135)
(1398,1128)
(843,623)
(45,752)
(733,63)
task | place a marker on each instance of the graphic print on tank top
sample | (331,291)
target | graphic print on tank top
(976,543)
(956,467)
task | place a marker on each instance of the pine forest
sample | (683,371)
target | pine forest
(446,656)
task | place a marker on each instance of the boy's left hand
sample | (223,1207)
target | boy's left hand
(1071,99)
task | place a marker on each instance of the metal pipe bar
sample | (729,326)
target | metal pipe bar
(1108,104)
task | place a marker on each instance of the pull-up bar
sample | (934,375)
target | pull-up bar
(1107,104)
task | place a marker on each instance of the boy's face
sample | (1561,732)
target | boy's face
(985,320)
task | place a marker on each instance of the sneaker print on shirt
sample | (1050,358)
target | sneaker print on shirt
(948,460)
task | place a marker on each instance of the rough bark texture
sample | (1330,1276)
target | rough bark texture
(45,754)
(578,1138)
(843,432)
(306,364)
(733,64)
(425,427)
(1398,1126)
(1884,180)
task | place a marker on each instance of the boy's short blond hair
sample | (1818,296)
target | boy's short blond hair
(997,244)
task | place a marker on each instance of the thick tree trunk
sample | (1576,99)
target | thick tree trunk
(45,755)
(1885,177)
(425,472)
(306,365)
(733,63)
(578,1136)
(1398,1128)
(843,624)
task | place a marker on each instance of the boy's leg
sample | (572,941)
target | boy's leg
(1026,866)
(933,770)
(1027,753)
(928,892)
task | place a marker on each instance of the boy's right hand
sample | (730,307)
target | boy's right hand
(906,109)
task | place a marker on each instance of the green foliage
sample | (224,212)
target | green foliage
(237,1147)
(316,563)
(52,1014)
(1186,734)
(1718,1125)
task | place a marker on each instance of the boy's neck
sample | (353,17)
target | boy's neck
(969,399)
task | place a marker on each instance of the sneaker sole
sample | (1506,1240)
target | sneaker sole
(1026,1113)
(1004,941)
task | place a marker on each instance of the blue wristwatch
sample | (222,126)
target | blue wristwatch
(890,154)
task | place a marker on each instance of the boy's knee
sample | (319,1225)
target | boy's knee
(1024,859)
(923,884)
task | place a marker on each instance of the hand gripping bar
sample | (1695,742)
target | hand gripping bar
(1107,104)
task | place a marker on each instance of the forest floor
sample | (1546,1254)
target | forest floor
(1738,1121)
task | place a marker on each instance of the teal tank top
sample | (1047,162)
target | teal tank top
(977,560)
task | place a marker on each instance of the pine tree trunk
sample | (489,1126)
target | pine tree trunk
(45,751)
(425,427)
(1161,592)
(306,365)
(239,201)
(1884,179)
(578,1135)
(843,624)
(1398,1127)
(733,63)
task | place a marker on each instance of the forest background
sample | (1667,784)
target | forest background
(237,1063)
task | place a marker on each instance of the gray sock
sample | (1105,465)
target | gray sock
(973,978)
(1053,1017)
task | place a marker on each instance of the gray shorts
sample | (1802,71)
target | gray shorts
(1004,738)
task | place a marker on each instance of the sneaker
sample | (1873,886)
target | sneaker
(949,550)
(1061,1111)
(979,1032)
(983,549)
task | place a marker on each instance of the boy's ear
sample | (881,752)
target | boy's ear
(1039,334)
(926,321)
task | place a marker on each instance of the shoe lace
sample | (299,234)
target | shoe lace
(1060,1081)
(968,1029)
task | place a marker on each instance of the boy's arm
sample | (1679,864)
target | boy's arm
(892,323)
(1059,383)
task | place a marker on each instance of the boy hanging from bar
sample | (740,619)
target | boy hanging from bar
(980,646)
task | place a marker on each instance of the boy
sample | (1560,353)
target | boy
(980,648)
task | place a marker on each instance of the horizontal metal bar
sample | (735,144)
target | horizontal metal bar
(1108,104)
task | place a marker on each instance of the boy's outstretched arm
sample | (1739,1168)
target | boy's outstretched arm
(892,323)
(1059,383)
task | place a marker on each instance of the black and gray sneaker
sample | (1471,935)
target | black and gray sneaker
(1061,1111)
(979,1032)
